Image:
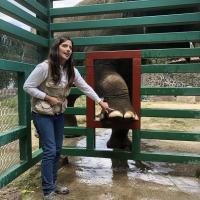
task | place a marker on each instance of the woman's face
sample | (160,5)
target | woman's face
(65,51)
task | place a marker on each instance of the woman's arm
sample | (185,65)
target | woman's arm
(84,87)
(37,76)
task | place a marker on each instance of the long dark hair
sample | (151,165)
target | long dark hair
(54,62)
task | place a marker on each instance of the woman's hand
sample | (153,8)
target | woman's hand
(104,105)
(52,100)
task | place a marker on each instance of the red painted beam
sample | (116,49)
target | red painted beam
(136,81)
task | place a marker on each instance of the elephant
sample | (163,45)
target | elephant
(113,82)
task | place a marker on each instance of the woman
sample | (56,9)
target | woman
(49,84)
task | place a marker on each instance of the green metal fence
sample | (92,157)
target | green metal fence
(39,40)
(44,28)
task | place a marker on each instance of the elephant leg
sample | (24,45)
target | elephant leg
(119,140)
(115,92)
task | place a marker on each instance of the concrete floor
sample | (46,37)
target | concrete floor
(94,179)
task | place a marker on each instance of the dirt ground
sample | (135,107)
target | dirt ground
(95,179)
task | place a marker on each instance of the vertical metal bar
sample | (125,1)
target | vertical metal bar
(43,52)
(91,139)
(136,143)
(24,119)
(136,85)
(90,80)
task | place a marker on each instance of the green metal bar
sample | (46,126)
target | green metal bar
(171,68)
(122,7)
(170,113)
(193,91)
(168,135)
(19,33)
(13,11)
(22,100)
(34,6)
(175,52)
(136,143)
(25,143)
(50,20)
(76,91)
(10,136)
(149,38)
(157,53)
(17,170)
(175,19)
(44,50)
(75,110)
(75,130)
(14,66)
(79,55)
(96,153)
(90,139)
(169,157)
(81,69)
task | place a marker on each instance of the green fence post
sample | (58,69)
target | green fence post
(91,143)
(136,143)
(24,119)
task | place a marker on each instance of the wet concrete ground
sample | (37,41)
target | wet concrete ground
(94,179)
(97,181)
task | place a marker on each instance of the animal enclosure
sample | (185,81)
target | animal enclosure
(161,30)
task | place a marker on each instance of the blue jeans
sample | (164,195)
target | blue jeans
(50,130)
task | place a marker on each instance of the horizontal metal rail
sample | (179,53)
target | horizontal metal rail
(161,91)
(146,156)
(171,68)
(172,53)
(150,38)
(184,91)
(151,112)
(17,13)
(169,157)
(10,136)
(170,113)
(157,53)
(105,153)
(15,66)
(75,110)
(71,130)
(159,20)
(169,135)
(22,34)
(161,68)
(35,7)
(122,7)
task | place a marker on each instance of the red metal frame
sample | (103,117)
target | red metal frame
(136,63)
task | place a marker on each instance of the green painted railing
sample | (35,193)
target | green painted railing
(23,132)
(42,22)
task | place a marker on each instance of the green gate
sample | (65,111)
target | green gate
(40,38)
